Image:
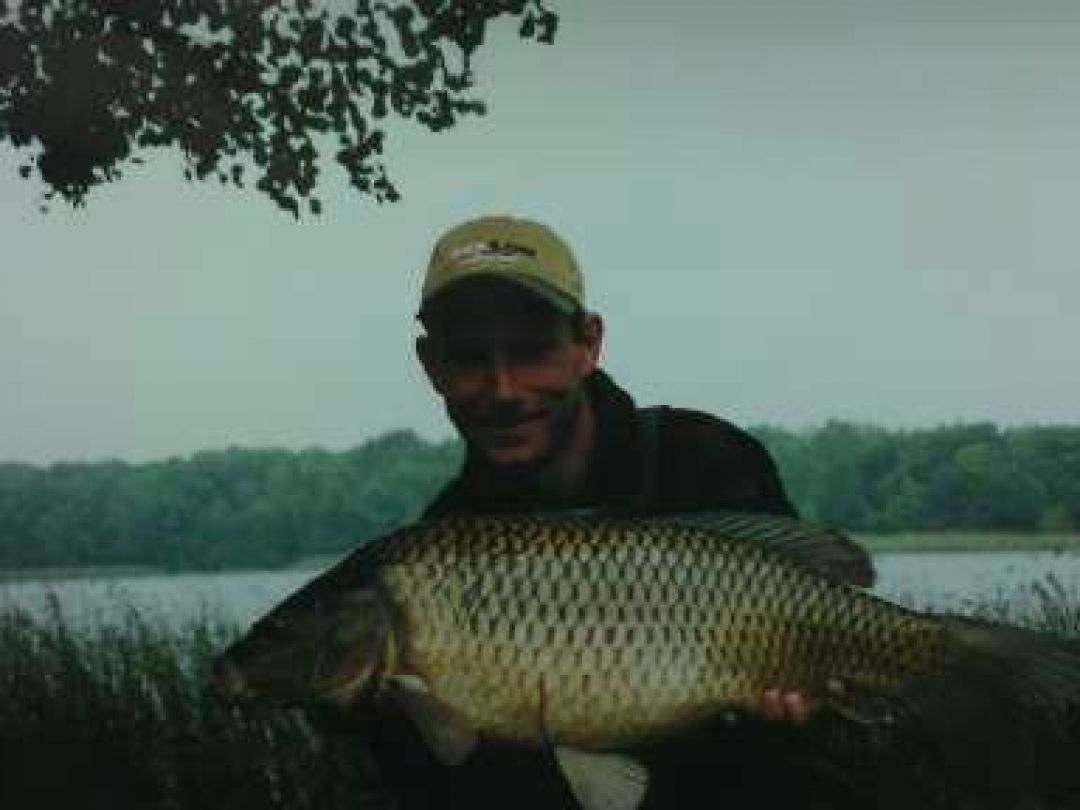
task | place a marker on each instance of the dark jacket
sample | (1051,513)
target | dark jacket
(654,461)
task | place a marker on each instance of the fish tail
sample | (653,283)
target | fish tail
(1037,673)
(1001,689)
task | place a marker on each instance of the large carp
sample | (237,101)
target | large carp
(594,634)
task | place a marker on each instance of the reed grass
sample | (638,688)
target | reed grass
(118,715)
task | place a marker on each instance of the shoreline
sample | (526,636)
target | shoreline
(967,542)
(898,543)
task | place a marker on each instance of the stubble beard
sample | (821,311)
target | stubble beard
(562,424)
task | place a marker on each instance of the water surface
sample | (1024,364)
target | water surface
(942,581)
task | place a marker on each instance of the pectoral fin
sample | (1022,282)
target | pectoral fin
(603,781)
(443,729)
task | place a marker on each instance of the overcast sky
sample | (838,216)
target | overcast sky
(787,211)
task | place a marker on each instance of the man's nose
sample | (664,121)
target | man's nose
(500,374)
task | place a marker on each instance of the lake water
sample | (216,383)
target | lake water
(943,581)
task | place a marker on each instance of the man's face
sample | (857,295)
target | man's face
(510,369)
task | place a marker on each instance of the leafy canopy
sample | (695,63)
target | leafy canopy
(239,86)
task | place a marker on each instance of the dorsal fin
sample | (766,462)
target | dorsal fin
(827,551)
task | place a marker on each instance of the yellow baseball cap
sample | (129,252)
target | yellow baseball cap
(522,251)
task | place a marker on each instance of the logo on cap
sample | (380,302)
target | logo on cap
(490,251)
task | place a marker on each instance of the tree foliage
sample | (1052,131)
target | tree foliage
(238,86)
(268,507)
(974,477)
(217,509)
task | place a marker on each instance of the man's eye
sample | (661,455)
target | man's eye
(526,352)
(530,352)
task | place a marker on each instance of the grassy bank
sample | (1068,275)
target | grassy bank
(916,542)
(88,572)
(118,716)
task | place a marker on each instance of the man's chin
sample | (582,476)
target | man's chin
(521,448)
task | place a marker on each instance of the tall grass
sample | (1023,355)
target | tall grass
(118,715)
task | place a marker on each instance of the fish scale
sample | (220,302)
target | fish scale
(631,630)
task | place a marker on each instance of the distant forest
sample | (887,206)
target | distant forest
(244,507)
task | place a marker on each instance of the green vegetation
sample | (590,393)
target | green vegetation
(911,542)
(271,507)
(966,478)
(251,94)
(118,716)
(218,509)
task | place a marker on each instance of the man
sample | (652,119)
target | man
(513,351)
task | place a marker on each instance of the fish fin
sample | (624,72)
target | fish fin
(442,728)
(827,551)
(603,781)
(1000,687)
(1024,672)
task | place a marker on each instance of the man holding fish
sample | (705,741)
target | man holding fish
(511,347)
(585,606)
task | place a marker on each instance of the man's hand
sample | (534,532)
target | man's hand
(794,707)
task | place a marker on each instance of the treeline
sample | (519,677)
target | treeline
(974,477)
(269,507)
(218,509)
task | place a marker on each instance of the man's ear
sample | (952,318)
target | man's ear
(429,360)
(592,339)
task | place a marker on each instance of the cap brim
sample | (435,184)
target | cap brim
(554,298)
(559,300)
